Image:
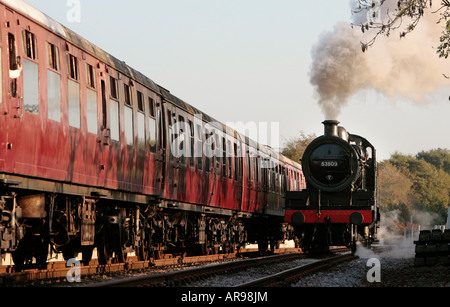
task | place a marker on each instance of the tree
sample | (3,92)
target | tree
(430,190)
(295,147)
(439,158)
(394,185)
(386,16)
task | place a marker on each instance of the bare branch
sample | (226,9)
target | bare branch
(406,11)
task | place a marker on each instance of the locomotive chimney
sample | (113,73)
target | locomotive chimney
(331,128)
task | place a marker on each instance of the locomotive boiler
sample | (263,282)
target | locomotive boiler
(340,203)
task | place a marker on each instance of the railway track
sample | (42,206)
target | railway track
(290,276)
(179,278)
(58,271)
(200,277)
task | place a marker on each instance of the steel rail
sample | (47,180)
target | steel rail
(179,277)
(293,275)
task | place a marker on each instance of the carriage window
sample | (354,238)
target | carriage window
(191,143)
(151,104)
(114,117)
(140,101)
(74,103)
(257,169)
(141,130)
(140,121)
(229,156)
(151,135)
(236,161)
(113,87)
(128,125)
(13,67)
(54,95)
(209,143)
(199,147)
(31,86)
(12,52)
(30,74)
(182,136)
(1,78)
(73,66)
(251,172)
(217,147)
(224,157)
(127,91)
(92,112)
(53,56)
(90,76)
(29,44)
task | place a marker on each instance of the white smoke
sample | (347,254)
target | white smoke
(398,241)
(397,68)
(397,246)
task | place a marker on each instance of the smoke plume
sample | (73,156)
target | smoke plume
(397,68)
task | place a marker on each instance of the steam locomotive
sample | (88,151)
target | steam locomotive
(340,203)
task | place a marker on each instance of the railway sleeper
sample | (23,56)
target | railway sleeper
(432,248)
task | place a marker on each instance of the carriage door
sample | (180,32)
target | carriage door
(13,103)
(105,132)
(3,104)
(160,158)
(172,161)
(238,171)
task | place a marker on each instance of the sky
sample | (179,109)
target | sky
(250,61)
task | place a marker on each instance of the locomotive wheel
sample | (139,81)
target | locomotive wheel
(71,249)
(104,256)
(142,251)
(121,255)
(87,251)
(263,246)
(31,247)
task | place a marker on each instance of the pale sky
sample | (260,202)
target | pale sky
(249,61)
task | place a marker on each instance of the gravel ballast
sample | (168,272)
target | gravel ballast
(394,268)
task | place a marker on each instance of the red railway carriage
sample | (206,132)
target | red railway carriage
(93,154)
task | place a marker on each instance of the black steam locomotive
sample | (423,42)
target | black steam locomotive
(340,203)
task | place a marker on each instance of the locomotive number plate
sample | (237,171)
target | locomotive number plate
(329,164)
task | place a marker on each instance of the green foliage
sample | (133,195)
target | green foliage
(295,147)
(439,158)
(428,177)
